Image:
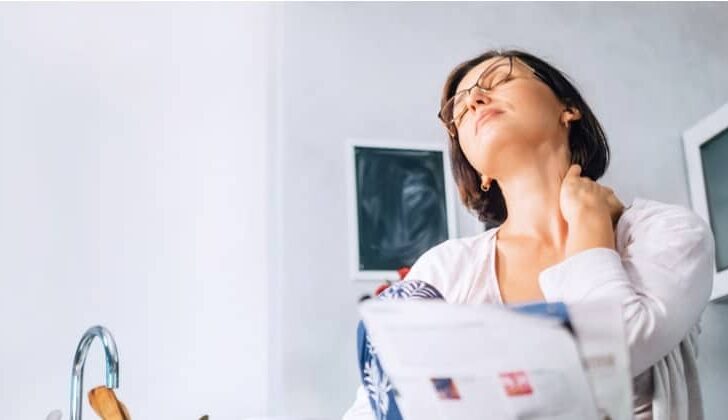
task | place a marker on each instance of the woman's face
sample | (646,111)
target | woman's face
(525,116)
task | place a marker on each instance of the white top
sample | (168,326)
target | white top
(662,271)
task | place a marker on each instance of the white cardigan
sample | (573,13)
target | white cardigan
(662,271)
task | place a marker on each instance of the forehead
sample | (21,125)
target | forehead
(471,76)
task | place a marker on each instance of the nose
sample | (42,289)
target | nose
(477,96)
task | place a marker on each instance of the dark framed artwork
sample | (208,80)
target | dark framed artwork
(401,204)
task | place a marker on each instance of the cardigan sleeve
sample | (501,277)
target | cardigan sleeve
(435,266)
(662,275)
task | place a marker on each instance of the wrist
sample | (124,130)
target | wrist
(590,231)
(591,217)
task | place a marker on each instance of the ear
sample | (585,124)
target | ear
(570,114)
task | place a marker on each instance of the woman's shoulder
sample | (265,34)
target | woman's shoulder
(645,205)
(452,259)
(463,247)
(655,225)
(644,213)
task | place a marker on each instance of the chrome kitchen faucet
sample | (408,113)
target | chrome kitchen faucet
(79,359)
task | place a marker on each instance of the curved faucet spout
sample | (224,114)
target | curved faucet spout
(79,360)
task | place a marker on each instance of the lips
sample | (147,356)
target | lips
(487,115)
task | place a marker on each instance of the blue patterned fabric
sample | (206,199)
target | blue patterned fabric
(375,380)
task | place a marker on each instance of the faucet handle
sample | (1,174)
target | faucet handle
(106,405)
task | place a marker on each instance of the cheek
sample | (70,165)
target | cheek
(530,108)
(540,109)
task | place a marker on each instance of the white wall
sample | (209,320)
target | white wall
(133,193)
(175,172)
(375,71)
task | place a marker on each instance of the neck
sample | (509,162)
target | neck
(532,201)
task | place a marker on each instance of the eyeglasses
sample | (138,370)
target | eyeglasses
(497,74)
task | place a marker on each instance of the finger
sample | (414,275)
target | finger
(614,201)
(574,170)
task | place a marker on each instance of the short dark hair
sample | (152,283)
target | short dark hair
(587,140)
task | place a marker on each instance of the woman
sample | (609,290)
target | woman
(526,152)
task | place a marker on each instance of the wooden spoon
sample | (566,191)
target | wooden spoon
(104,402)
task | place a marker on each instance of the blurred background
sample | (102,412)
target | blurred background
(176,172)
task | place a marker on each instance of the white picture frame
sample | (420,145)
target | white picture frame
(352,200)
(696,136)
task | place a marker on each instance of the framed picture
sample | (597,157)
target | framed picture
(706,155)
(401,203)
